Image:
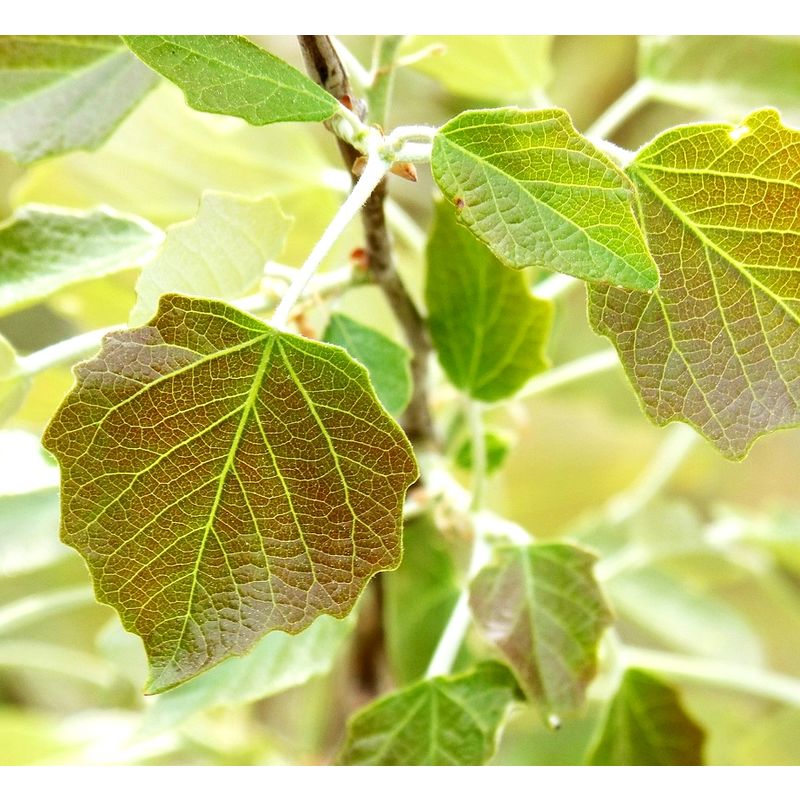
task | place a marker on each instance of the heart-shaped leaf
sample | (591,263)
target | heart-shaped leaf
(223,479)
(718,345)
(537,193)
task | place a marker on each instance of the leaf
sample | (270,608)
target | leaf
(647,726)
(505,67)
(419,597)
(223,480)
(220,253)
(44,249)
(718,345)
(497,445)
(537,193)
(446,721)
(541,606)
(13,384)
(61,93)
(386,361)
(488,330)
(277,663)
(724,75)
(231,75)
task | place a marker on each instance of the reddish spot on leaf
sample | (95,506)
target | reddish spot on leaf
(459,203)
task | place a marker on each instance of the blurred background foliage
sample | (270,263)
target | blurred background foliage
(711,568)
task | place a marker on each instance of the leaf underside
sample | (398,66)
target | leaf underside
(231,75)
(445,721)
(718,345)
(61,93)
(541,606)
(647,726)
(537,193)
(223,479)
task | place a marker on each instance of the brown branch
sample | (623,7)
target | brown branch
(323,64)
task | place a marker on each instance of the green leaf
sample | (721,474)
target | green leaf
(13,385)
(223,479)
(647,726)
(278,662)
(231,75)
(717,346)
(61,93)
(537,193)
(488,330)
(386,361)
(723,75)
(419,597)
(446,721)
(541,606)
(44,249)
(497,445)
(220,253)
(504,67)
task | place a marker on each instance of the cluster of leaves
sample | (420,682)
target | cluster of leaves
(225,479)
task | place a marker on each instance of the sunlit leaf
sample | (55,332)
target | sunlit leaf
(223,479)
(45,249)
(231,75)
(220,253)
(718,345)
(60,93)
(503,67)
(278,662)
(647,726)
(537,193)
(723,75)
(13,385)
(541,606)
(419,597)
(447,721)
(386,361)
(488,329)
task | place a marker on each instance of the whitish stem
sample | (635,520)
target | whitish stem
(716,673)
(576,370)
(63,353)
(623,107)
(405,226)
(355,69)
(25,654)
(554,286)
(373,174)
(40,606)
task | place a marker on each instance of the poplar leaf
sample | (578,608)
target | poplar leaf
(726,75)
(61,93)
(13,385)
(445,721)
(647,726)
(386,361)
(718,346)
(542,607)
(231,75)
(505,67)
(44,249)
(488,329)
(223,479)
(220,253)
(537,193)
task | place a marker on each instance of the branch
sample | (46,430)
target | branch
(324,65)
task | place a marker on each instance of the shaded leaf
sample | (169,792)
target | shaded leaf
(497,445)
(724,75)
(13,385)
(223,479)
(231,75)
(386,361)
(220,253)
(278,662)
(446,721)
(419,597)
(61,93)
(488,329)
(647,726)
(44,249)
(537,193)
(717,346)
(504,67)
(541,606)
